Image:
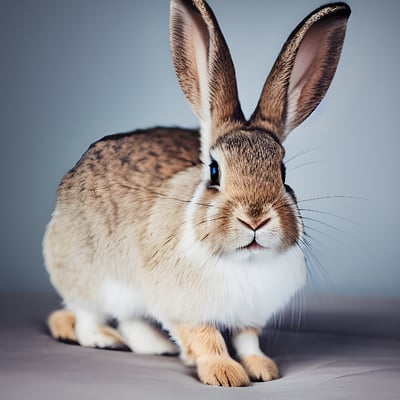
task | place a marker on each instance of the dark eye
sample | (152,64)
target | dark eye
(283,172)
(214,173)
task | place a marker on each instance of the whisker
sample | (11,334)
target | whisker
(333,215)
(296,311)
(322,233)
(291,169)
(300,300)
(305,248)
(162,196)
(204,237)
(301,154)
(333,197)
(308,236)
(322,223)
(319,256)
(211,220)
(314,256)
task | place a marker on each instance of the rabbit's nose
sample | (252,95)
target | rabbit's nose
(254,225)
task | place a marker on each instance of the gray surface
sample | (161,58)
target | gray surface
(314,364)
(73,71)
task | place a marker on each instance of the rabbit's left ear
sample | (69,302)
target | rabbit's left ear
(204,68)
(303,70)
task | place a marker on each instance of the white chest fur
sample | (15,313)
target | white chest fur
(265,285)
(232,292)
(247,291)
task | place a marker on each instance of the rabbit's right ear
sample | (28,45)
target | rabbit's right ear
(204,69)
(303,70)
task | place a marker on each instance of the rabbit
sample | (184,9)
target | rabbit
(179,233)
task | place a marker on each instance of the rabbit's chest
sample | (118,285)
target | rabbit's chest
(249,292)
(232,292)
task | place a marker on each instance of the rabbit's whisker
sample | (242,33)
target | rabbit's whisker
(204,221)
(332,215)
(291,169)
(314,262)
(307,228)
(301,154)
(162,196)
(305,218)
(318,242)
(333,197)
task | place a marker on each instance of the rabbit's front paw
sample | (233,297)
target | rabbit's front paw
(221,371)
(260,368)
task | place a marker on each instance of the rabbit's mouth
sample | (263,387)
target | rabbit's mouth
(253,246)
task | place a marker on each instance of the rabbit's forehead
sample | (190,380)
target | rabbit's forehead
(250,148)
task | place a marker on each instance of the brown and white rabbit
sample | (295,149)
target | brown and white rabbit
(194,231)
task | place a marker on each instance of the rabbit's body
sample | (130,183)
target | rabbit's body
(195,231)
(137,276)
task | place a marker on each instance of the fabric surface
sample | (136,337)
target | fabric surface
(349,351)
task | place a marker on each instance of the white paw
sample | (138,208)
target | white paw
(144,338)
(96,338)
(90,331)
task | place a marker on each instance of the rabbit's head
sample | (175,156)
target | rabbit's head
(243,202)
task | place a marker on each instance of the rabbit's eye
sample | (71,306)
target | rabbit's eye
(214,173)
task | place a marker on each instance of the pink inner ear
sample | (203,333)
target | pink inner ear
(307,56)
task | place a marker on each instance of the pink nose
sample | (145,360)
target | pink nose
(253,225)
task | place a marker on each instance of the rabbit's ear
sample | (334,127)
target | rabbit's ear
(204,68)
(303,70)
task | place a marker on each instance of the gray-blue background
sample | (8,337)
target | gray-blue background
(73,71)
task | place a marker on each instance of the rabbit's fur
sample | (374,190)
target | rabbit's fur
(195,231)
